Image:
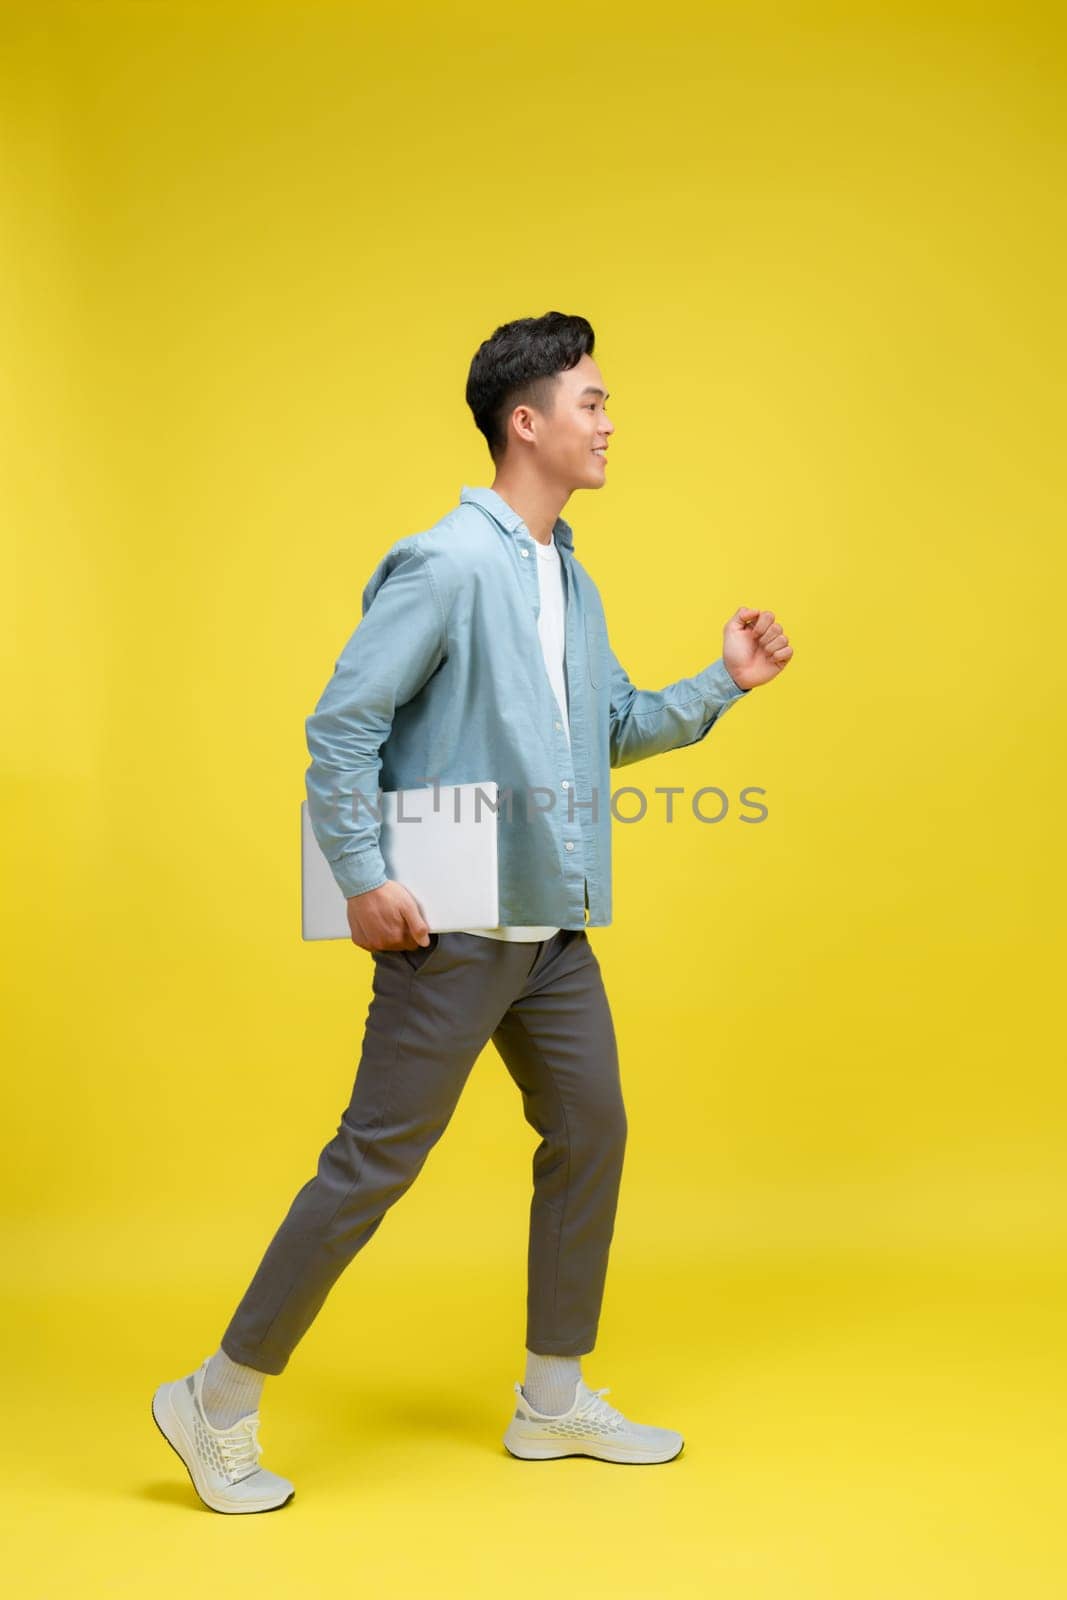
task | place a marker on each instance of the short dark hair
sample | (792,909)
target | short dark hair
(518,365)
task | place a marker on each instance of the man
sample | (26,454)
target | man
(482,653)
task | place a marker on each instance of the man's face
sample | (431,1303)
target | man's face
(572,438)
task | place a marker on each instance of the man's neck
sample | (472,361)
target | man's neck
(537,504)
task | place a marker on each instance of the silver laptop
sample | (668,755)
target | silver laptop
(447,857)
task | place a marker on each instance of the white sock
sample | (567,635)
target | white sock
(551,1381)
(230,1390)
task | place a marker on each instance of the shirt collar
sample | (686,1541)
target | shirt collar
(509,519)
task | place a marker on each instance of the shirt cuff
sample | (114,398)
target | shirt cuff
(359,871)
(717,680)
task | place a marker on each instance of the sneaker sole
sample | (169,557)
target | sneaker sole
(531,1450)
(170,1426)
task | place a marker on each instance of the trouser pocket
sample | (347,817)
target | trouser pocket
(417,958)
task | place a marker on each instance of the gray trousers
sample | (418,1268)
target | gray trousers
(433,1011)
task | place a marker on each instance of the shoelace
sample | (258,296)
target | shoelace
(240,1448)
(597,1410)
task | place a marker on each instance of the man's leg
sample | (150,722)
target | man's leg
(433,1011)
(557,1040)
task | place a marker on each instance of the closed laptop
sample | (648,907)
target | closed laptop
(446,855)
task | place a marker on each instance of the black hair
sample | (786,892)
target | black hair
(518,365)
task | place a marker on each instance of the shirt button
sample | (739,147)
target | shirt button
(524,554)
(569,845)
(565,784)
(559,725)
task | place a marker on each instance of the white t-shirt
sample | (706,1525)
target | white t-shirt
(552,632)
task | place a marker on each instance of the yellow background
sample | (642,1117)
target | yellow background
(249,251)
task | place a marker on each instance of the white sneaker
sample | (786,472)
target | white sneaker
(590,1428)
(222,1462)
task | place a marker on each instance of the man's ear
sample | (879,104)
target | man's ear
(522,419)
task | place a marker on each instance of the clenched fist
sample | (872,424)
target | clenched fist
(754,648)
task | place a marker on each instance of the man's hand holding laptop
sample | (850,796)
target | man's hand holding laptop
(387,918)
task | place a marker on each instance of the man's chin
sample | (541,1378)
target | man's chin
(593,478)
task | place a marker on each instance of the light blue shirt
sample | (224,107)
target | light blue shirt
(444,680)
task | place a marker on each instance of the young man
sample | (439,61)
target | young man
(482,653)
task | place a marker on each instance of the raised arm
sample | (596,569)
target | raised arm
(645,722)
